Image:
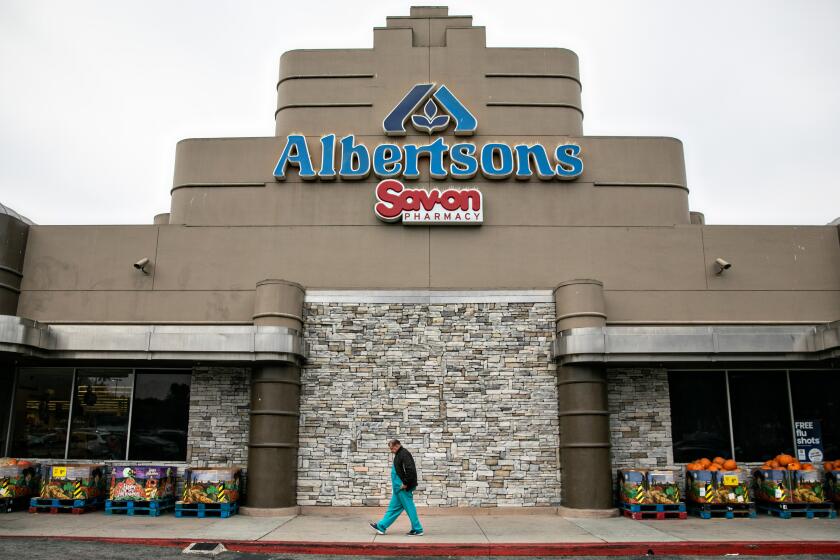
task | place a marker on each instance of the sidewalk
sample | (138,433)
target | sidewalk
(461,535)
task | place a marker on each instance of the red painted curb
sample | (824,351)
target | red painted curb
(685,548)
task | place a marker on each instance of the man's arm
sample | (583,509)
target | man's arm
(409,476)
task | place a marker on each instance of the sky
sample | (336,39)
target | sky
(94,95)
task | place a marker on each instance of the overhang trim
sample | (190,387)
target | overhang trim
(225,343)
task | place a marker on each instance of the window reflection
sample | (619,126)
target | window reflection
(160,416)
(816,396)
(760,414)
(99,427)
(41,408)
(6,385)
(699,418)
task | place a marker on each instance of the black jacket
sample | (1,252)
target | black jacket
(404,464)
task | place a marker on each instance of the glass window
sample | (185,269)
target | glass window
(699,419)
(160,415)
(6,387)
(99,428)
(760,414)
(41,409)
(816,396)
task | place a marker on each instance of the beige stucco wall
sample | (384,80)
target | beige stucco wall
(624,221)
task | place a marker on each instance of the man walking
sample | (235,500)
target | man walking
(404,481)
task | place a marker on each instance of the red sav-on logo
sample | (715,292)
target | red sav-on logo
(396,203)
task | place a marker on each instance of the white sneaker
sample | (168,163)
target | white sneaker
(375,527)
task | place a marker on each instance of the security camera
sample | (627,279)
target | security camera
(141,265)
(722,265)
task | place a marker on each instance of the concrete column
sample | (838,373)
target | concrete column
(275,406)
(13,236)
(272,451)
(582,402)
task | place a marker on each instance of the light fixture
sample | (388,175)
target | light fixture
(142,264)
(722,265)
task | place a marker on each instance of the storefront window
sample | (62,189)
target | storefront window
(816,396)
(6,387)
(699,418)
(160,415)
(109,408)
(40,413)
(761,412)
(99,428)
(761,420)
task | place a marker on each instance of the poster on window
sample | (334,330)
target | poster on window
(808,440)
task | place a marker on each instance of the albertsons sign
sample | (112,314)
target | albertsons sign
(428,109)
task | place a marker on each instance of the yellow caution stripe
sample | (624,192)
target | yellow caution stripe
(78,494)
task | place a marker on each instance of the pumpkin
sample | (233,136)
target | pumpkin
(692,467)
(774,464)
(704,463)
(785,459)
(730,465)
(807,467)
(794,466)
(719,461)
(713,467)
(828,466)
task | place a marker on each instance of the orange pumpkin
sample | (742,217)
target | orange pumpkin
(692,467)
(719,461)
(774,464)
(794,466)
(807,467)
(837,464)
(714,467)
(704,463)
(785,460)
(730,465)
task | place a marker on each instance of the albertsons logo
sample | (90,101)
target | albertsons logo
(432,119)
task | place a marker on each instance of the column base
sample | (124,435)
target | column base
(269,512)
(581,513)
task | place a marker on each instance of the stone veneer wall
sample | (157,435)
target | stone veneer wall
(640,418)
(219,424)
(470,389)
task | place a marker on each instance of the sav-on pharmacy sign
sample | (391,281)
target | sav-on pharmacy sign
(345,159)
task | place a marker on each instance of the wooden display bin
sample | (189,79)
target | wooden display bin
(211,485)
(142,483)
(19,479)
(73,482)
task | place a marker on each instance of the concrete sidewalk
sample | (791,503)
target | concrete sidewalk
(463,529)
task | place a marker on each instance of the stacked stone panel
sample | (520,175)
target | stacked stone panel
(468,388)
(218,429)
(640,418)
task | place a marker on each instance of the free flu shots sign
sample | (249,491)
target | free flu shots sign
(808,440)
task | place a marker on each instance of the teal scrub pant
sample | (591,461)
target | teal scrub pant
(401,500)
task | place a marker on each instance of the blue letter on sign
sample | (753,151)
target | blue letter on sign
(355,160)
(295,153)
(386,161)
(569,164)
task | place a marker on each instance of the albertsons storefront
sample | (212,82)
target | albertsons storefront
(429,250)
